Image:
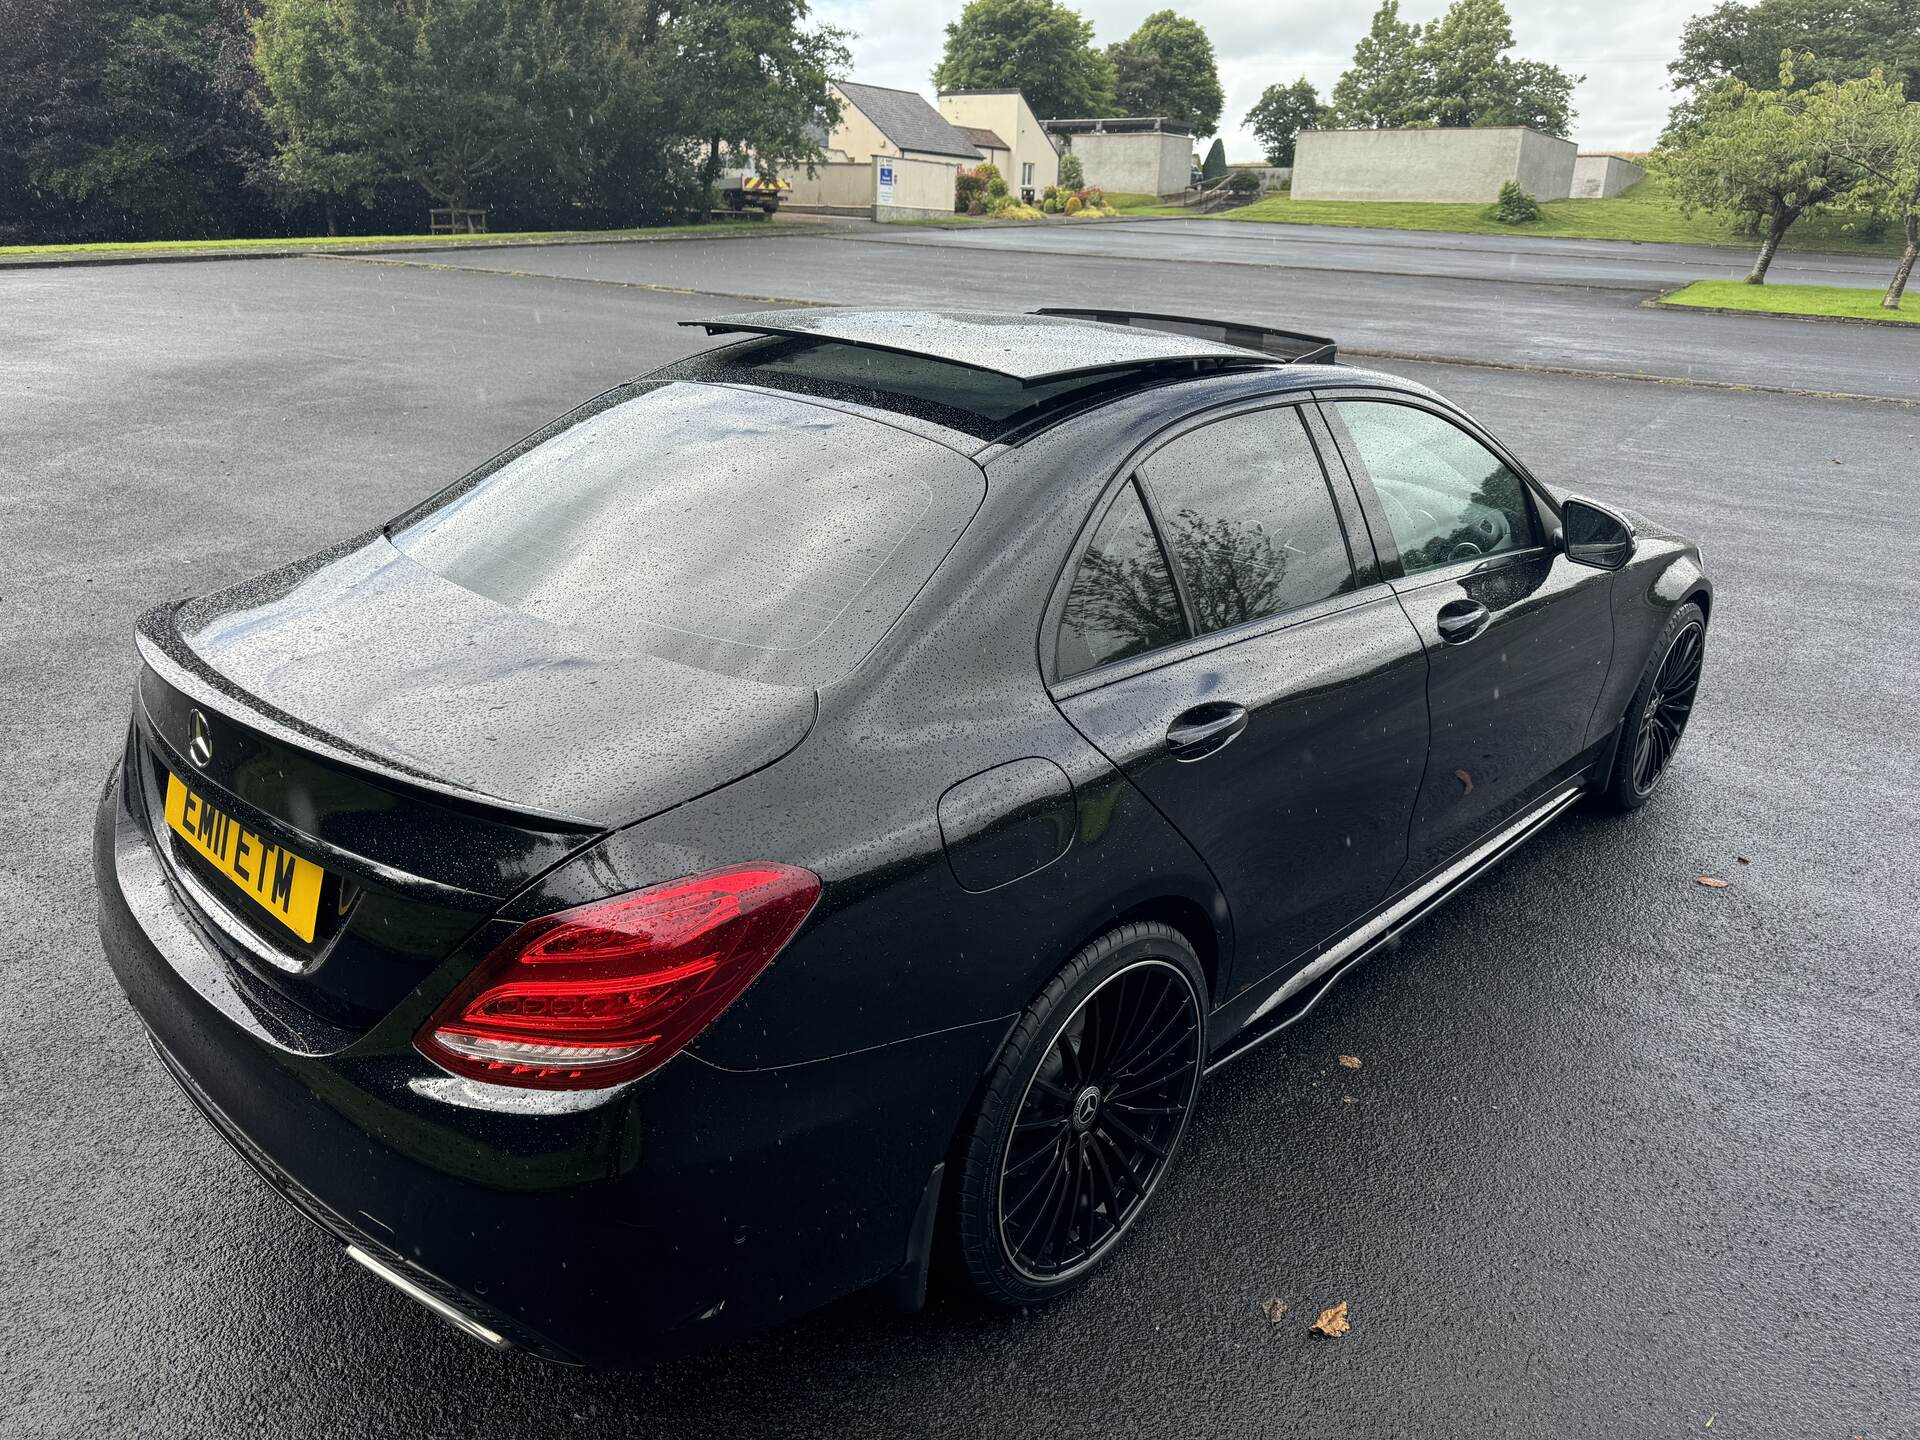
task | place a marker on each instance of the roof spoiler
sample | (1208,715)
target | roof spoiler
(1287,345)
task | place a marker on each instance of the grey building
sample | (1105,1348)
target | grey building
(1431,164)
(1136,155)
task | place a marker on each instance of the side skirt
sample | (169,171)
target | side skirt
(1309,985)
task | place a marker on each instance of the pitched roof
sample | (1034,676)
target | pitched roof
(906,119)
(983,138)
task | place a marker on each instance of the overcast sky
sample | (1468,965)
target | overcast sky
(1622,47)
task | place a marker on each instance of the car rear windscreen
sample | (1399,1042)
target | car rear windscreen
(741,531)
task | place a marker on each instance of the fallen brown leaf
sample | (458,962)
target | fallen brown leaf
(1274,1309)
(1466,780)
(1332,1322)
(1743,860)
(1352,1062)
(1712,882)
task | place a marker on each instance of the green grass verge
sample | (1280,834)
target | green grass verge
(1824,300)
(1644,213)
(1126,200)
(349,242)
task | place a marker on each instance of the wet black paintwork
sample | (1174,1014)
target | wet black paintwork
(782,1159)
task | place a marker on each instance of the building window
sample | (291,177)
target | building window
(1026,173)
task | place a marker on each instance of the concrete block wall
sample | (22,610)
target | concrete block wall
(922,188)
(1601,177)
(1463,165)
(833,185)
(1151,162)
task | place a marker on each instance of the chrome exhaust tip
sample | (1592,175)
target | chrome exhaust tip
(466,1324)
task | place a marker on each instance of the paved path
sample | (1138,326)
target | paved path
(1530,258)
(1625,1154)
(1603,329)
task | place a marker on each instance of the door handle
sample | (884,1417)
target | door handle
(1460,620)
(1197,733)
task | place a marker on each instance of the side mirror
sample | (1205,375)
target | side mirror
(1595,535)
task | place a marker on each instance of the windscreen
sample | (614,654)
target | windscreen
(744,532)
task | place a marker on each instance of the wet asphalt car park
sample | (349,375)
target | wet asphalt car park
(1624,1154)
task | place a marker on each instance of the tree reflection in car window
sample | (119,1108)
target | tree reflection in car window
(1244,507)
(1447,497)
(1122,602)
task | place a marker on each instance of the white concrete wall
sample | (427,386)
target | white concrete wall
(1434,165)
(1545,166)
(922,188)
(833,185)
(1150,163)
(1601,177)
(1009,116)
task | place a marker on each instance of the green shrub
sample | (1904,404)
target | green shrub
(967,188)
(987,171)
(1515,206)
(1243,182)
(1076,205)
(1050,205)
(1072,176)
(976,206)
(1093,195)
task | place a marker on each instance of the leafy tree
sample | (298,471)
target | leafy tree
(1877,131)
(433,92)
(1167,67)
(1039,47)
(1455,72)
(1844,38)
(1460,54)
(1764,156)
(1215,165)
(1073,175)
(1382,88)
(758,79)
(1469,79)
(114,120)
(1279,116)
(1515,206)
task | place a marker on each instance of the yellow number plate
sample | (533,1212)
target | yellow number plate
(284,885)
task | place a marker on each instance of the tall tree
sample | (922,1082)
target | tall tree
(1469,79)
(760,77)
(1279,116)
(1382,88)
(1766,157)
(1836,40)
(1877,131)
(432,92)
(1460,56)
(1167,67)
(1455,72)
(113,119)
(1038,47)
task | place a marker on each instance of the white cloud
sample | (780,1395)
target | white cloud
(1622,48)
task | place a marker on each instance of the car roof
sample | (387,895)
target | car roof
(1033,349)
(974,378)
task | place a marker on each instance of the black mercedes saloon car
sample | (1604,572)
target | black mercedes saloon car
(826,805)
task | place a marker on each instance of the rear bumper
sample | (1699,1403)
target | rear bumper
(697,1203)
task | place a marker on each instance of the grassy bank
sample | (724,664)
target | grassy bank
(1827,301)
(1645,213)
(352,242)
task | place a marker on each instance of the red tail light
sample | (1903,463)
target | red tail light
(595,995)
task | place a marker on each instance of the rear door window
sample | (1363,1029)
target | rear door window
(1244,507)
(1122,602)
(741,531)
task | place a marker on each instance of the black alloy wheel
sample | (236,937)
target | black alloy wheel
(1663,715)
(1657,715)
(1081,1117)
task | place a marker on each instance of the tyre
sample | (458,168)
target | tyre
(1657,715)
(1081,1115)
